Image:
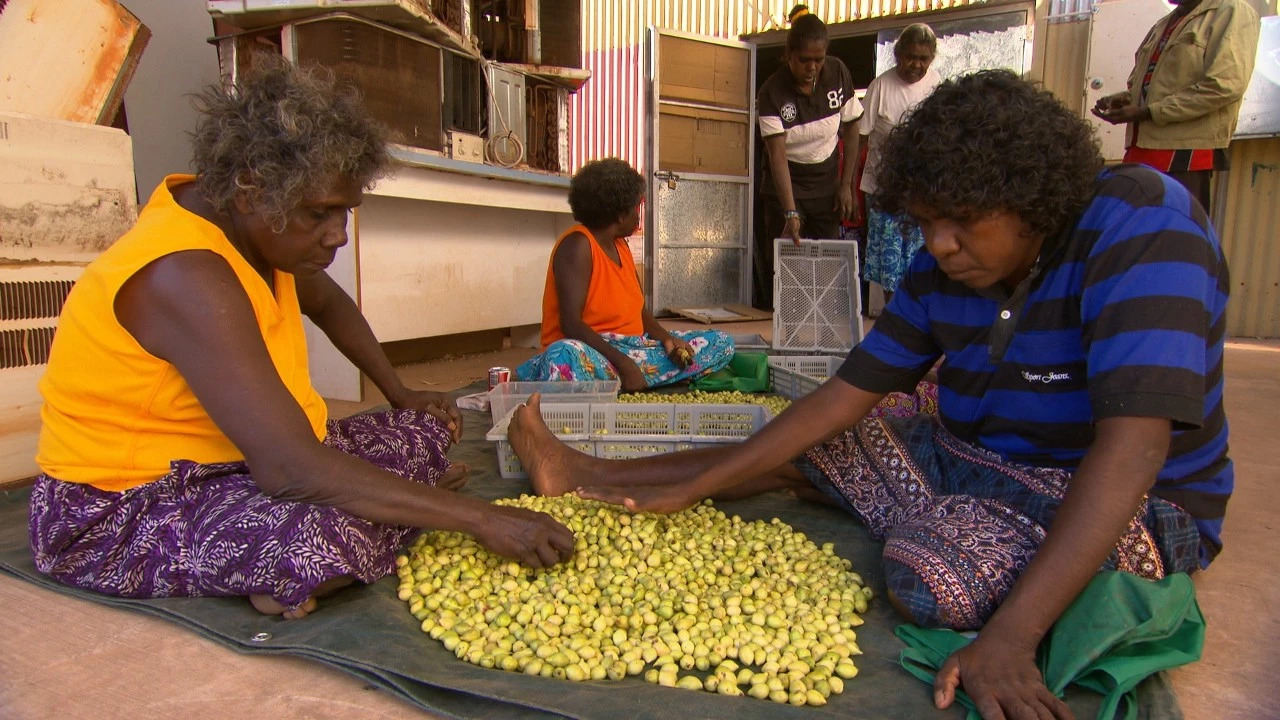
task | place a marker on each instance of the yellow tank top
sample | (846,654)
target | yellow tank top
(114,415)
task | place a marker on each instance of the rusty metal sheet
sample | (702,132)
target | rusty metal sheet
(68,59)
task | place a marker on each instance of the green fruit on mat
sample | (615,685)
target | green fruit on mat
(754,607)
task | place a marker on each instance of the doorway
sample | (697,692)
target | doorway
(858,53)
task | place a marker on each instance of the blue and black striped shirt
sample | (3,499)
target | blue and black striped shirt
(1124,317)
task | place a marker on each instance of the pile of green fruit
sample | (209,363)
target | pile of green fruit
(775,403)
(694,600)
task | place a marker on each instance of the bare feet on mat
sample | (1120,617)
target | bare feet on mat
(548,461)
(454,477)
(267,605)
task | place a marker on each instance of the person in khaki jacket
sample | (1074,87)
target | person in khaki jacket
(1188,78)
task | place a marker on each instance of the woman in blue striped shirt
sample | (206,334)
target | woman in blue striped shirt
(1078,314)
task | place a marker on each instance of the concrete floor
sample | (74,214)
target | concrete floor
(62,657)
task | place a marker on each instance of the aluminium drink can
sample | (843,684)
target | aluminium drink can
(498,375)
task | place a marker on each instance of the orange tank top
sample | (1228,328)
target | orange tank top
(615,302)
(114,415)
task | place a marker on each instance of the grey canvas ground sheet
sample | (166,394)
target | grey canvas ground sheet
(367,631)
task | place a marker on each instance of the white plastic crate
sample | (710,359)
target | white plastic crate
(505,396)
(721,423)
(794,376)
(568,421)
(509,465)
(630,430)
(626,420)
(628,449)
(817,305)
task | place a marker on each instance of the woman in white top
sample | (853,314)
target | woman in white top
(891,243)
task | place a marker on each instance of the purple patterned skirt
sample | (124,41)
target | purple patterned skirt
(960,524)
(207,530)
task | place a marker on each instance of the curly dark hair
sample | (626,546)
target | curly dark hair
(805,29)
(281,134)
(988,142)
(603,190)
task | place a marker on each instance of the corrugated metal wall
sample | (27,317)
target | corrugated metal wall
(608,113)
(1250,227)
(1065,60)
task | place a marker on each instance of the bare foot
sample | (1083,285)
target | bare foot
(550,463)
(454,477)
(267,605)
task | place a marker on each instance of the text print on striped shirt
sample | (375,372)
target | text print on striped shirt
(1046,378)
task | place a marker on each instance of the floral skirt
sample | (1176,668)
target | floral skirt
(207,530)
(575,360)
(960,524)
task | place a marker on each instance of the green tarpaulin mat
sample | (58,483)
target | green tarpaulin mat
(367,631)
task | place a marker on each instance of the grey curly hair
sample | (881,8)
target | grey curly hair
(916,34)
(282,134)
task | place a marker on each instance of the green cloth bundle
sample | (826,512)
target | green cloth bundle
(1119,631)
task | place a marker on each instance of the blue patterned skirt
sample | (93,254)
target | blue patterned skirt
(207,530)
(892,241)
(575,360)
(960,524)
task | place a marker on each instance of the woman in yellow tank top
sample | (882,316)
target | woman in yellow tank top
(184,450)
(595,325)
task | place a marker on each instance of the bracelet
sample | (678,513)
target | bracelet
(788,214)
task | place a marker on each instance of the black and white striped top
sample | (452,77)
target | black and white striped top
(811,124)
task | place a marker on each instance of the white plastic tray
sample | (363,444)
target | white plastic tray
(794,376)
(817,306)
(505,396)
(629,430)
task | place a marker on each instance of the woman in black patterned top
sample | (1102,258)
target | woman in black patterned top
(803,109)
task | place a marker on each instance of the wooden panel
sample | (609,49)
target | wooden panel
(702,72)
(702,140)
(398,76)
(68,59)
(66,189)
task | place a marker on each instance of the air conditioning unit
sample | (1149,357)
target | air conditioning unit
(66,193)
